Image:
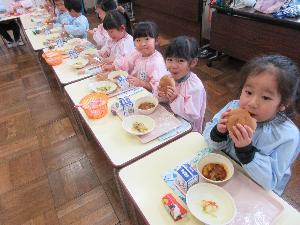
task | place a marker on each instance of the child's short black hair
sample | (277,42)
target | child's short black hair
(114,19)
(145,29)
(107,5)
(286,73)
(76,5)
(183,47)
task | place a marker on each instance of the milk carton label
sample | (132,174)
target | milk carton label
(142,75)
(59,42)
(47,31)
(73,54)
(123,82)
(125,105)
(186,177)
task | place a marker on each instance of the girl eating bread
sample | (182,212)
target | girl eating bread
(266,150)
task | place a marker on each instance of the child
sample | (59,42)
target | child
(99,34)
(20,6)
(188,98)
(145,65)
(62,15)
(269,93)
(79,24)
(117,24)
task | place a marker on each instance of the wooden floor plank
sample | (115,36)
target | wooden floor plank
(23,204)
(62,153)
(72,181)
(92,207)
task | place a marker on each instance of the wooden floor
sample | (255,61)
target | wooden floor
(50,175)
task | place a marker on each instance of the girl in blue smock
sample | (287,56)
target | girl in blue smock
(269,92)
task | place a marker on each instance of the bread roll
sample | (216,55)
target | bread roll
(165,82)
(240,116)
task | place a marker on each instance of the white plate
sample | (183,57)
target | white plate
(129,121)
(52,36)
(96,86)
(89,51)
(75,41)
(205,191)
(65,49)
(78,63)
(115,74)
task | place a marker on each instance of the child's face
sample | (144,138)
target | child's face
(101,13)
(178,67)
(61,6)
(116,34)
(145,45)
(73,13)
(260,96)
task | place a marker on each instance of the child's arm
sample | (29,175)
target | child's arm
(26,4)
(270,164)
(78,28)
(100,36)
(139,83)
(213,137)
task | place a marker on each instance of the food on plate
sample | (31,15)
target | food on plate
(209,207)
(140,127)
(240,116)
(101,76)
(214,171)
(78,63)
(146,105)
(79,48)
(165,82)
(104,88)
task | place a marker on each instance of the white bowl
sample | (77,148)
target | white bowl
(226,210)
(219,159)
(105,87)
(112,75)
(89,51)
(75,41)
(150,99)
(129,121)
(79,63)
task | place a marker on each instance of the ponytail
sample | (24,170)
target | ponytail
(128,22)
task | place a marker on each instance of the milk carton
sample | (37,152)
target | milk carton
(73,54)
(125,105)
(186,177)
(122,82)
(59,42)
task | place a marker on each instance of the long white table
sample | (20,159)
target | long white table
(66,74)
(120,147)
(144,183)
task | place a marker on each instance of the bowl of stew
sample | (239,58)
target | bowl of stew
(146,105)
(215,168)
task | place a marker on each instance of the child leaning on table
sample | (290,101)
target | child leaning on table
(99,34)
(188,98)
(269,91)
(145,64)
(79,24)
(62,15)
(118,27)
